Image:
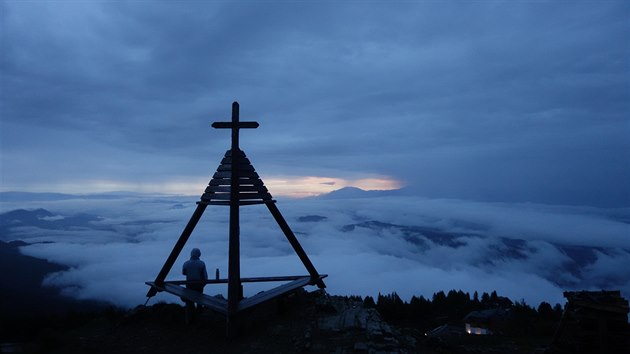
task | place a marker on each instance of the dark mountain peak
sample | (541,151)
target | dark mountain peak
(44,219)
(17,243)
(345,191)
(311,218)
(354,192)
(30,196)
(21,215)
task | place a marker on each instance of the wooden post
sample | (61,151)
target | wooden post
(235,292)
(179,245)
(234,265)
(295,244)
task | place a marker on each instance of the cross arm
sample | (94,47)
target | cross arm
(231,125)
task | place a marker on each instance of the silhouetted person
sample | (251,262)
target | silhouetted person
(194,269)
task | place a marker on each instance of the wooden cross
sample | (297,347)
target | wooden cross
(239,170)
(235,125)
(235,289)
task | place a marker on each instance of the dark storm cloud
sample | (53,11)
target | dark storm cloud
(500,101)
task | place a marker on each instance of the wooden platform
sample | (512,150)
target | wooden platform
(176,287)
(216,304)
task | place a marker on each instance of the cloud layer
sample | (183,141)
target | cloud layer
(413,246)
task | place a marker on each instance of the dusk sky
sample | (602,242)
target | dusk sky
(519,101)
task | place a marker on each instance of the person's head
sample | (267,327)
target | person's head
(195,253)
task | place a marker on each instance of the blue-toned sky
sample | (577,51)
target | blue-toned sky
(487,100)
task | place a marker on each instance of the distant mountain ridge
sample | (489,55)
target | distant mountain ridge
(45,219)
(43,196)
(354,192)
(33,196)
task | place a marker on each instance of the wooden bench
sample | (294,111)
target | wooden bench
(216,304)
(176,287)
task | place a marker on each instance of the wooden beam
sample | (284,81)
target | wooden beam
(242,202)
(239,153)
(295,244)
(240,125)
(241,167)
(242,161)
(243,280)
(241,182)
(235,288)
(177,249)
(275,292)
(241,196)
(227,189)
(242,174)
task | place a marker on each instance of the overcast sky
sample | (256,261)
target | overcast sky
(484,100)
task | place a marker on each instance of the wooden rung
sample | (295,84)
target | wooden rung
(227,189)
(220,182)
(184,282)
(254,202)
(241,196)
(241,167)
(213,303)
(216,196)
(222,175)
(241,161)
(247,180)
(241,174)
(254,196)
(241,182)
(229,153)
(242,202)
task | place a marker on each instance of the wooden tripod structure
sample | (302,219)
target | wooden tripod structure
(235,183)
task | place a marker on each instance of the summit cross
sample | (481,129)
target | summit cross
(235,180)
(235,288)
(235,125)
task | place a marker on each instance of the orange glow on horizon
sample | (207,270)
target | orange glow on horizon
(311,186)
(285,186)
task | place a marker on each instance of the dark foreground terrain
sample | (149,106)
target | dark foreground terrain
(301,322)
(38,319)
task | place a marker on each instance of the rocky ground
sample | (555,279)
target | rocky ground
(301,322)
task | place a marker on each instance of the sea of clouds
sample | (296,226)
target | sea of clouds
(110,257)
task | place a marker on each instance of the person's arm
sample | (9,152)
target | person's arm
(205,273)
(184,269)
